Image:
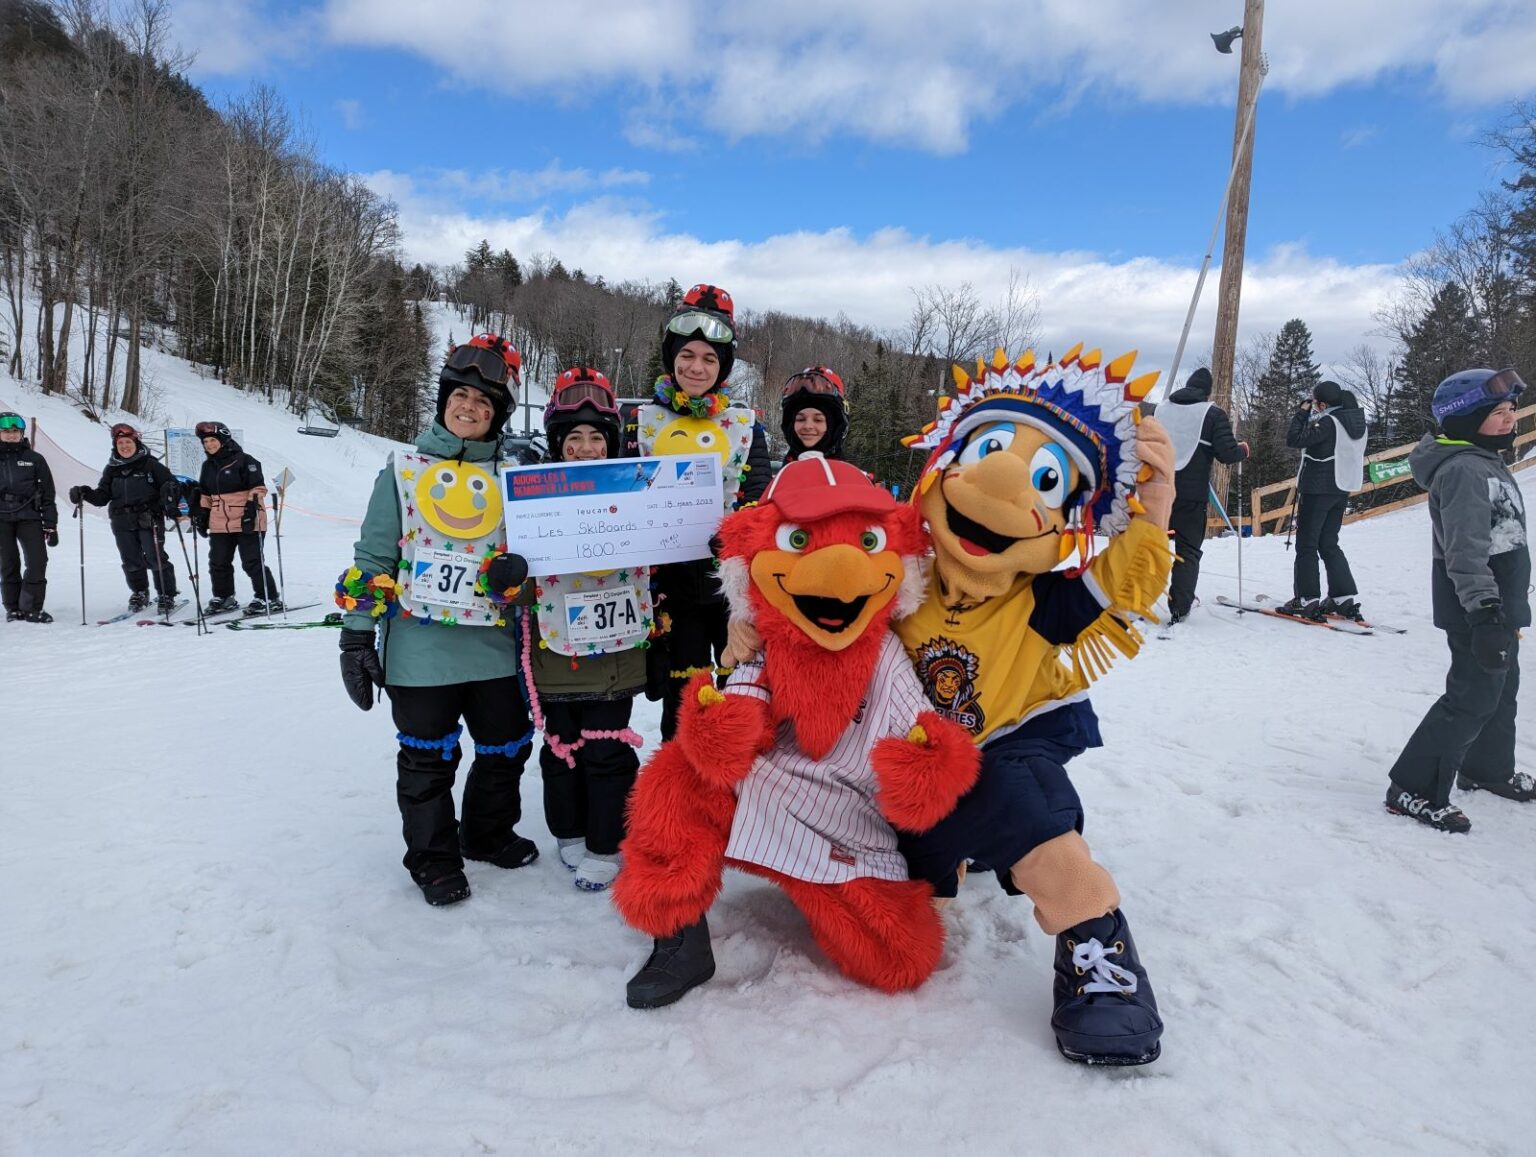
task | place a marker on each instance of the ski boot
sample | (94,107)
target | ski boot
(1448,818)
(275,606)
(1105,1011)
(138,600)
(676,964)
(1519,787)
(597,873)
(221,604)
(1345,608)
(441,884)
(14,616)
(515,852)
(38,617)
(165,604)
(1300,608)
(255,607)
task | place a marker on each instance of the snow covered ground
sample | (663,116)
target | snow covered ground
(209,947)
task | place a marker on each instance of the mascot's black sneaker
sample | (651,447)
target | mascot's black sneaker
(1519,787)
(441,884)
(676,964)
(515,852)
(1105,1011)
(1448,818)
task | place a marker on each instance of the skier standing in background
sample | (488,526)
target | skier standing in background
(1480,583)
(1330,432)
(29,523)
(231,512)
(138,492)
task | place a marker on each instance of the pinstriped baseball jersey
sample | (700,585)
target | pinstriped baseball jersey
(816,819)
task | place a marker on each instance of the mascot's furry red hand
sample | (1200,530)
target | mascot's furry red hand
(802,769)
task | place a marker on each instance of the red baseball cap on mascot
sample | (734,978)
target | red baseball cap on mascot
(812,487)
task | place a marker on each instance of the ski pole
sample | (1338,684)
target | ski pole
(278,502)
(192,575)
(261,560)
(77,517)
(1220,509)
(1240,533)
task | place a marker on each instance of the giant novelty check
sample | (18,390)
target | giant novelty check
(626,512)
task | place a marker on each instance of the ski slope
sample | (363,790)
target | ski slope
(209,945)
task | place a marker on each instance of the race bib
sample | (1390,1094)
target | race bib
(446,577)
(601,617)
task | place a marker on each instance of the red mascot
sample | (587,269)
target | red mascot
(804,767)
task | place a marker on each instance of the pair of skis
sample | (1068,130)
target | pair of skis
(164,620)
(1265,605)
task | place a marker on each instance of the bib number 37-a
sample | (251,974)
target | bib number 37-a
(446,577)
(601,616)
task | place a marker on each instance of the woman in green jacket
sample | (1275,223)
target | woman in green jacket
(430,574)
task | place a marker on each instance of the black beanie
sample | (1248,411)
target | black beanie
(716,302)
(1463,427)
(1200,380)
(498,395)
(1329,393)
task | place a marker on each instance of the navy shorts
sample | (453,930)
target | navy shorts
(1022,798)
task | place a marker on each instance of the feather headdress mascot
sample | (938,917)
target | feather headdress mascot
(804,767)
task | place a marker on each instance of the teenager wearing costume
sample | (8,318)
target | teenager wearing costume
(29,523)
(231,512)
(429,566)
(1330,432)
(586,659)
(814,413)
(138,492)
(1202,436)
(693,414)
(1480,585)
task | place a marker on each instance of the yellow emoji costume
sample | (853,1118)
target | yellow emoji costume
(1027,462)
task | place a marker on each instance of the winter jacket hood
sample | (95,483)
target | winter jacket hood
(1481,541)
(1196,388)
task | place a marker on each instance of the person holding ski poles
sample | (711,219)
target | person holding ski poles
(139,492)
(1480,580)
(231,513)
(585,640)
(431,574)
(813,413)
(1202,435)
(1330,432)
(29,523)
(692,413)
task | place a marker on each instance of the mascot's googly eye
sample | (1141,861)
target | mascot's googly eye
(792,538)
(446,477)
(873,540)
(987,440)
(477,484)
(1049,473)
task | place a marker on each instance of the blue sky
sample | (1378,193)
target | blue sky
(820,157)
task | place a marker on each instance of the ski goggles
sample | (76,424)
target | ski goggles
(12,422)
(124,430)
(815,380)
(494,366)
(213,430)
(708,325)
(1504,386)
(579,394)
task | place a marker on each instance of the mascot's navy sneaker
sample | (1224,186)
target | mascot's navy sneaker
(676,964)
(1105,1011)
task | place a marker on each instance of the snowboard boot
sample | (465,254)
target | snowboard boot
(572,852)
(38,617)
(165,604)
(441,884)
(1105,1011)
(1448,818)
(515,852)
(1300,608)
(1345,608)
(138,600)
(597,873)
(676,964)
(1519,787)
(221,604)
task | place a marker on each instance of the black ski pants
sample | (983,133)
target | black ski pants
(695,642)
(142,550)
(1188,525)
(1317,534)
(428,722)
(23,590)
(587,801)
(221,564)
(1471,728)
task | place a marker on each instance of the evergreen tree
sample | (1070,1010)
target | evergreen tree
(1286,383)
(1444,340)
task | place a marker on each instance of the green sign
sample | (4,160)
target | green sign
(1386,471)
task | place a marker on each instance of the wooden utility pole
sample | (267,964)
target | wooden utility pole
(1230,293)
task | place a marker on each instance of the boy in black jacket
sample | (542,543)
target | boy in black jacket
(136,488)
(1330,432)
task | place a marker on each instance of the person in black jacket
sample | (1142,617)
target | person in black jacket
(231,512)
(1202,435)
(1330,432)
(29,521)
(136,488)
(814,413)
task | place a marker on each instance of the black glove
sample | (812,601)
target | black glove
(200,520)
(248,515)
(51,535)
(76,494)
(360,669)
(505,572)
(1492,640)
(170,498)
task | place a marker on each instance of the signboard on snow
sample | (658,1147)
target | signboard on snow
(1387,471)
(184,454)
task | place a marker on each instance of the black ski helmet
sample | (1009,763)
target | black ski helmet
(488,363)
(819,388)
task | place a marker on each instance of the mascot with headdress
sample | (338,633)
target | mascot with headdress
(814,755)
(1027,463)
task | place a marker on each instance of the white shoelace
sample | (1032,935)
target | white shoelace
(1093,958)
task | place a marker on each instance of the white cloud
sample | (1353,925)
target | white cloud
(514,185)
(1355,137)
(921,72)
(236,37)
(1137,303)
(351,113)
